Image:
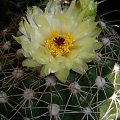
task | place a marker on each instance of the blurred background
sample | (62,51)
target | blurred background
(108,10)
(11,8)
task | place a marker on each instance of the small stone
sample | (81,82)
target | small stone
(50,80)
(17,73)
(102,24)
(54,109)
(3,97)
(4,31)
(116,68)
(6,45)
(74,87)
(106,41)
(100,82)
(87,111)
(28,94)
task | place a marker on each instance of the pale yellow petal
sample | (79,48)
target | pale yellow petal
(62,75)
(41,21)
(71,9)
(85,29)
(42,55)
(30,63)
(26,54)
(48,68)
(18,39)
(22,28)
(79,66)
(63,62)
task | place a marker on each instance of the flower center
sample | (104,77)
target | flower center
(59,40)
(60,44)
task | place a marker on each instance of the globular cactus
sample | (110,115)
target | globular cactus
(71,73)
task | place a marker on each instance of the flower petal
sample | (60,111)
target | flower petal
(30,63)
(48,68)
(42,55)
(79,67)
(62,75)
(77,20)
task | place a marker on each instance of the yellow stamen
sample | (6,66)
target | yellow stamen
(60,44)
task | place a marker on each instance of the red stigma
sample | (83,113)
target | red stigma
(59,40)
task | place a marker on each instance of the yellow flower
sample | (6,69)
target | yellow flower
(60,39)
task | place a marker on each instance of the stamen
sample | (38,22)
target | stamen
(60,44)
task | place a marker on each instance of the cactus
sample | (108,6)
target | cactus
(91,94)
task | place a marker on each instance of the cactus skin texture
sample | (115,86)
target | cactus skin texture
(94,95)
